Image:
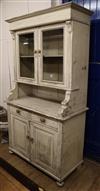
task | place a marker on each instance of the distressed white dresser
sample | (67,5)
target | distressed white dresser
(47,107)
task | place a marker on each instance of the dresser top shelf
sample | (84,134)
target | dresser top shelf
(38,105)
(71,5)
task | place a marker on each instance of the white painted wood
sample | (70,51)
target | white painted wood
(45,82)
(19,78)
(13,93)
(50,116)
(12,149)
(47,20)
(19,128)
(44,147)
(11,152)
(73,142)
(66,144)
(50,15)
(49,93)
(80,63)
(60,183)
(41,106)
(53,124)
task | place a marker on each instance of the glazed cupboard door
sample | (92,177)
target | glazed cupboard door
(19,135)
(26,46)
(52,56)
(43,147)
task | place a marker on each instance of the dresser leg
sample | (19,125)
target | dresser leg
(11,152)
(60,183)
(78,167)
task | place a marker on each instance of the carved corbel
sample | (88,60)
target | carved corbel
(12,34)
(65,104)
(69,26)
(13,93)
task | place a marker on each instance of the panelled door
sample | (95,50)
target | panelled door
(43,147)
(19,135)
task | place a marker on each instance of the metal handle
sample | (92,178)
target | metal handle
(39,51)
(18,111)
(84,68)
(35,51)
(27,136)
(31,139)
(42,120)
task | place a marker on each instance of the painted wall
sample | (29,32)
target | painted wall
(8,9)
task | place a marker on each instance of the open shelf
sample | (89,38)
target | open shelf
(54,56)
(25,56)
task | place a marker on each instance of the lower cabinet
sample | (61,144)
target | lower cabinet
(35,142)
(53,146)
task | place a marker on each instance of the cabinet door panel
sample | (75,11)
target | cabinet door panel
(19,128)
(52,55)
(26,58)
(45,147)
(44,144)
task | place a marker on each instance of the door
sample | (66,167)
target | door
(19,135)
(44,147)
(52,56)
(26,55)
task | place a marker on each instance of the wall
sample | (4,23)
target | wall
(8,9)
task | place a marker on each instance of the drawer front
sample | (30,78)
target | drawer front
(19,112)
(44,120)
(34,117)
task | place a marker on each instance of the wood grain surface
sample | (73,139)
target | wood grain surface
(85,178)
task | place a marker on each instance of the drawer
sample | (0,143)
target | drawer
(34,117)
(19,112)
(44,120)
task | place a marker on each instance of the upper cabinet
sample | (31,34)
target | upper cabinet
(40,56)
(46,42)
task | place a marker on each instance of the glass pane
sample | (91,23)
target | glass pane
(53,55)
(26,67)
(26,48)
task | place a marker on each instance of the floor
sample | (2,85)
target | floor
(85,178)
(8,183)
